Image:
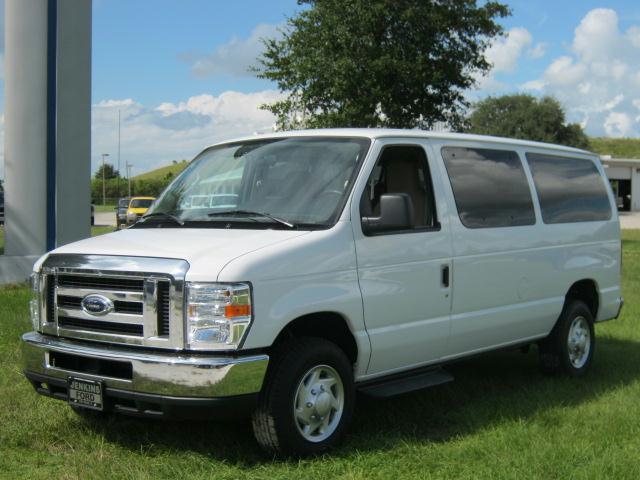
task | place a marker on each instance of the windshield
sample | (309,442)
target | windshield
(141,203)
(298,180)
(123,203)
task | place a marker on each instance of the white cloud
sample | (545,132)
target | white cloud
(535,85)
(563,71)
(618,124)
(538,51)
(634,36)
(236,57)
(598,80)
(614,102)
(154,136)
(505,52)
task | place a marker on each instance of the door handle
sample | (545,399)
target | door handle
(444,280)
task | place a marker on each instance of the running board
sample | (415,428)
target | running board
(397,385)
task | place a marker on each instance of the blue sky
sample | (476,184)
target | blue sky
(177,70)
(140,48)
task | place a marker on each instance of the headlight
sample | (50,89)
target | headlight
(34,303)
(218,315)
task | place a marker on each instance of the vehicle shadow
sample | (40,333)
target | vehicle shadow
(489,390)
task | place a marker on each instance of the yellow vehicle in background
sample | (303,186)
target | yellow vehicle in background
(138,206)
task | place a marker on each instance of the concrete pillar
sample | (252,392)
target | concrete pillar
(73,131)
(25,127)
(635,189)
(47,129)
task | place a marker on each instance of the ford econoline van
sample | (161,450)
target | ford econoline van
(335,261)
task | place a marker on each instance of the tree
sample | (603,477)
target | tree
(109,172)
(526,117)
(383,63)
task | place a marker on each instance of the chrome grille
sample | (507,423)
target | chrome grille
(100,326)
(164,308)
(81,281)
(144,304)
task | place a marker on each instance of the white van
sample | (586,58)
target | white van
(352,260)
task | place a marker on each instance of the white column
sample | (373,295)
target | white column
(73,149)
(635,189)
(25,127)
(26,102)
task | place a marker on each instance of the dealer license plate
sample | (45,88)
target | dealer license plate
(85,393)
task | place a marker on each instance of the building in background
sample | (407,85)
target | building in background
(624,174)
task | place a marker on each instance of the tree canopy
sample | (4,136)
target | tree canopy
(109,172)
(526,117)
(383,63)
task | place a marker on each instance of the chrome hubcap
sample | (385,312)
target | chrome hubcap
(319,403)
(579,342)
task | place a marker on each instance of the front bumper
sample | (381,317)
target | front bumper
(135,378)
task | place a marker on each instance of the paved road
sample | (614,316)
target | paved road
(105,219)
(630,219)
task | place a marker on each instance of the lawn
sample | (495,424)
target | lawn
(105,208)
(500,419)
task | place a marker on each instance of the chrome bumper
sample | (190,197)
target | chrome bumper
(167,374)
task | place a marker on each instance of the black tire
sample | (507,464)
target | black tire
(555,354)
(274,424)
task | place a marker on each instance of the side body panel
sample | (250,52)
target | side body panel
(406,305)
(315,272)
(509,284)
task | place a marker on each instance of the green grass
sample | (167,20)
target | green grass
(616,147)
(501,418)
(106,208)
(161,173)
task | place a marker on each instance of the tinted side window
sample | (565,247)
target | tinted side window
(402,169)
(489,186)
(570,189)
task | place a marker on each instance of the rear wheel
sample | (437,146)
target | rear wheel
(307,401)
(570,347)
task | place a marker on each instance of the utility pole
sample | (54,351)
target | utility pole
(129,166)
(104,185)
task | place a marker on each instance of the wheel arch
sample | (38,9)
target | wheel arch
(585,290)
(331,326)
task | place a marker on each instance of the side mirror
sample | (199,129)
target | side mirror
(396,213)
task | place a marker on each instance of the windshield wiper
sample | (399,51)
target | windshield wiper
(164,215)
(249,212)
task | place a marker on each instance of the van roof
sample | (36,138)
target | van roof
(374,133)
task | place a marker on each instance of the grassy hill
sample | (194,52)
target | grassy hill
(616,147)
(162,172)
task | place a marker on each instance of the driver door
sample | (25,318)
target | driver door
(405,276)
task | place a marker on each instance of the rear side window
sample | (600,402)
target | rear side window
(490,187)
(570,189)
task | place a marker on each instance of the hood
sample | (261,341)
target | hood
(138,211)
(206,250)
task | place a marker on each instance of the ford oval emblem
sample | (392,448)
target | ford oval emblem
(97,305)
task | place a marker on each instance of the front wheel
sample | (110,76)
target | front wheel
(570,347)
(307,401)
